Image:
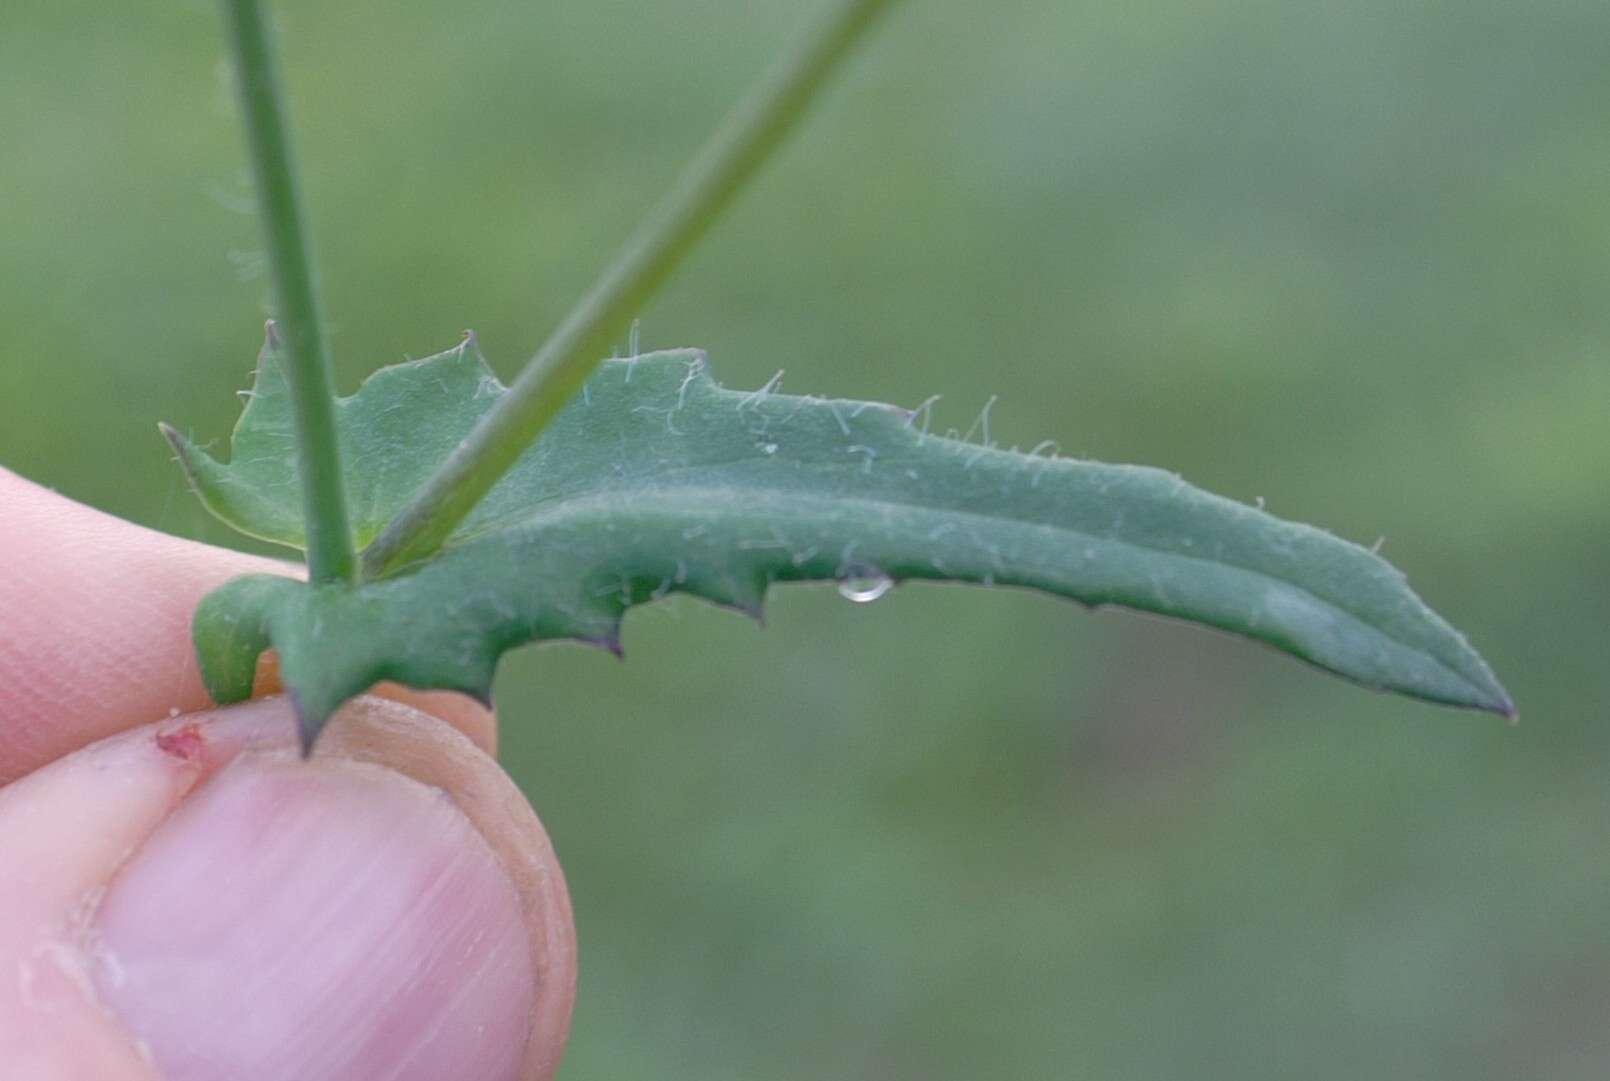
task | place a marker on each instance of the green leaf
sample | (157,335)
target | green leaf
(657,480)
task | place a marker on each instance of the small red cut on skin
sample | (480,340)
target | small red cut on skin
(184,743)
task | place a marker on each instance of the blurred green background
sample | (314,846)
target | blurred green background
(1351,258)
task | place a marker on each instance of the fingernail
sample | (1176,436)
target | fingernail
(328,920)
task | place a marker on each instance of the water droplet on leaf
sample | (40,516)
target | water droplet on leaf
(864,584)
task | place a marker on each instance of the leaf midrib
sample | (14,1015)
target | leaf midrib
(675,501)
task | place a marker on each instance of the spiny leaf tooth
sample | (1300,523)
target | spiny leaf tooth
(751,596)
(468,347)
(308,724)
(268,358)
(184,451)
(317,691)
(462,358)
(207,478)
(740,588)
(315,706)
(610,642)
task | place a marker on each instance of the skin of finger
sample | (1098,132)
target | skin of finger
(95,628)
(63,832)
(66,829)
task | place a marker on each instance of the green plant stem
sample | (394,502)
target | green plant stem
(720,169)
(330,556)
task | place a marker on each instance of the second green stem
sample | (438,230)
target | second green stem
(749,135)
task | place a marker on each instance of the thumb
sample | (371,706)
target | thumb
(193,901)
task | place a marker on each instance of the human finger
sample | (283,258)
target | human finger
(95,628)
(191,900)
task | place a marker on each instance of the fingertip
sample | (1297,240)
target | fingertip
(96,634)
(330,920)
(97,630)
(391,907)
(475,720)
